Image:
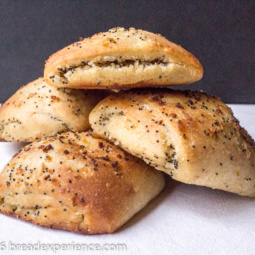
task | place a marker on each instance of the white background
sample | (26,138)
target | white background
(183,219)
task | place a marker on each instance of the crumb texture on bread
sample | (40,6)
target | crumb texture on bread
(76,182)
(122,58)
(191,136)
(38,110)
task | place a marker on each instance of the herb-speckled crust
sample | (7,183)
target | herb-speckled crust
(37,110)
(191,136)
(122,58)
(77,182)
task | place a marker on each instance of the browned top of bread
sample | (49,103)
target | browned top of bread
(192,136)
(38,110)
(76,182)
(122,58)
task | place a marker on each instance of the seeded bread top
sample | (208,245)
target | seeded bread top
(76,182)
(191,136)
(97,61)
(37,110)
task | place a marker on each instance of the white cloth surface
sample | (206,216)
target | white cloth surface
(183,219)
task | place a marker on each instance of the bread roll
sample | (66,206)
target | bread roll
(38,110)
(122,58)
(191,136)
(77,182)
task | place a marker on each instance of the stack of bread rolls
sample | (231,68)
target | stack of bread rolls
(103,134)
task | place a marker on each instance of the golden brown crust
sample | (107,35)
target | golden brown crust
(191,136)
(76,182)
(38,110)
(122,58)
